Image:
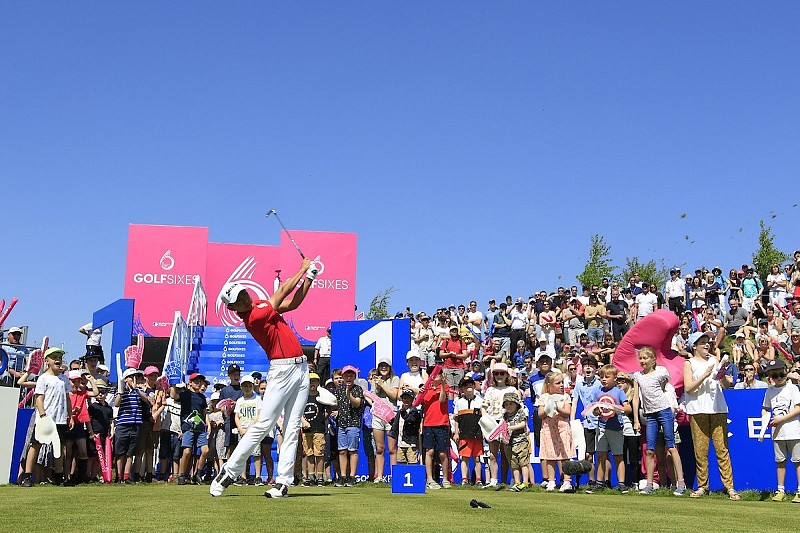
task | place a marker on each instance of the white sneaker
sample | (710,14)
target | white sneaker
(551,486)
(220,482)
(432,485)
(278,491)
(566,487)
(492,483)
(446,484)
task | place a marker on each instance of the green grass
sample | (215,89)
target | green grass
(156,508)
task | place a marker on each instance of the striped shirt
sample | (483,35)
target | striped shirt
(130,409)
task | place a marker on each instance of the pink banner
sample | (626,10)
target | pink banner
(249,264)
(163,260)
(160,270)
(333,295)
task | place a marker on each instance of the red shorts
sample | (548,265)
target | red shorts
(470,447)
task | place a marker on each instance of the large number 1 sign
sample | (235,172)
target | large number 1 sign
(362,343)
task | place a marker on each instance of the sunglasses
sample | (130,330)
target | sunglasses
(499,373)
(750,369)
(778,375)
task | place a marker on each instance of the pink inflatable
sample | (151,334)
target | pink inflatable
(656,330)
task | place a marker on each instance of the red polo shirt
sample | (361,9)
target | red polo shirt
(271,331)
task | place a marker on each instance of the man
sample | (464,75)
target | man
(617,314)
(94,337)
(425,339)
(794,320)
(519,322)
(751,288)
(645,303)
(736,317)
(594,314)
(676,293)
(16,356)
(680,342)
(474,319)
(502,329)
(605,289)
(633,287)
(288,384)
(488,318)
(322,356)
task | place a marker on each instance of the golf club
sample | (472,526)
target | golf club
(273,212)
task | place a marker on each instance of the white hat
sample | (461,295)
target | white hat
(384,359)
(15,329)
(230,292)
(214,396)
(130,372)
(247,379)
(103,368)
(412,353)
(74,374)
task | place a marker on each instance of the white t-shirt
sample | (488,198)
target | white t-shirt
(707,398)
(55,397)
(780,401)
(646,303)
(247,409)
(324,346)
(94,336)
(477,315)
(676,288)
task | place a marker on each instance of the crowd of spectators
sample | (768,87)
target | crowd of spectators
(531,366)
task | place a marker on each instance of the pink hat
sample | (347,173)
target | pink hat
(151,370)
(500,367)
(75,374)
(350,368)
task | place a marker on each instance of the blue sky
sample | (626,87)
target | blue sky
(473,147)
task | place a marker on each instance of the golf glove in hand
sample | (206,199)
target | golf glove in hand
(312,271)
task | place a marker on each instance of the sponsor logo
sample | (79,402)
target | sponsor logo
(167,262)
(149,278)
(243,275)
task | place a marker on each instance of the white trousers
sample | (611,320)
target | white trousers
(287,393)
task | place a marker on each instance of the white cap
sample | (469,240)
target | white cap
(103,368)
(247,379)
(130,372)
(230,292)
(412,353)
(15,329)
(384,359)
(214,396)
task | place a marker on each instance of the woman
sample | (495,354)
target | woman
(764,352)
(734,285)
(386,385)
(750,380)
(697,294)
(777,284)
(708,414)
(573,324)
(547,323)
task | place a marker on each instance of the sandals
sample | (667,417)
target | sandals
(733,495)
(699,493)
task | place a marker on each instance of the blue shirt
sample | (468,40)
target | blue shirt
(615,422)
(130,409)
(585,392)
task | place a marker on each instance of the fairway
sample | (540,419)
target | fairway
(368,508)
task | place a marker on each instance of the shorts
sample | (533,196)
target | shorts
(125,438)
(349,439)
(519,454)
(194,439)
(590,436)
(470,447)
(377,423)
(78,432)
(407,456)
(147,439)
(452,376)
(665,420)
(610,440)
(436,438)
(314,444)
(170,446)
(784,448)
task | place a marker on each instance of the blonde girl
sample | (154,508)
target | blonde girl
(555,441)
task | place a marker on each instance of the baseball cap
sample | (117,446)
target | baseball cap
(412,353)
(100,384)
(246,379)
(500,367)
(466,380)
(408,392)
(74,374)
(313,375)
(130,372)
(151,370)
(53,353)
(180,385)
(234,368)
(220,385)
(694,337)
(197,376)
(775,364)
(739,335)
(15,329)
(256,374)
(103,368)
(384,359)
(349,368)
(214,396)
(230,292)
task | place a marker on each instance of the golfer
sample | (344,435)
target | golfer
(287,381)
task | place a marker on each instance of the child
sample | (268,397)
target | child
(436,431)
(79,428)
(556,437)
(350,403)
(315,417)
(649,387)
(266,447)
(783,399)
(406,425)
(493,406)
(583,392)
(50,400)
(129,403)
(100,414)
(468,434)
(193,415)
(609,427)
(245,414)
(518,448)
(386,385)
(169,449)
(631,448)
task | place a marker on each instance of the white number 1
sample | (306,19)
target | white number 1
(381,336)
(408,480)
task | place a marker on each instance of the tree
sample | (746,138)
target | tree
(379,305)
(649,271)
(599,265)
(767,254)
